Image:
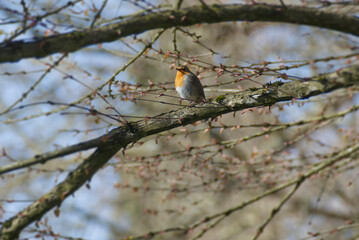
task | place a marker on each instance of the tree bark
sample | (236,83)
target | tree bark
(70,42)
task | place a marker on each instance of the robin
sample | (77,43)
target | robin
(188,85)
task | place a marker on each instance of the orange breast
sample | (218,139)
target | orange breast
(179,79)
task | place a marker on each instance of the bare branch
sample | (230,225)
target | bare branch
(226,103)
(70,42)
(218,217)
(120,137)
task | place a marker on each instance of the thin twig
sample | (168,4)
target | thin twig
(178,4)
(25,94)
(98,14)
(345,153)
(139,54)
(37,19)
(277,209)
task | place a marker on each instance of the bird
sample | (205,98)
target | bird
(188,86)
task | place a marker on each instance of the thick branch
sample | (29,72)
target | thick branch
(122,136)
(11,228)
(70,42)
(245,99)
(43,158)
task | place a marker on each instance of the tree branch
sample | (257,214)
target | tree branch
(70,42)
(276,209)
(120,137)
(43,158)
(226,103)
(344,153)
(12,228)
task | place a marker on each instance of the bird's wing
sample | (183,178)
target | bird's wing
(198,85)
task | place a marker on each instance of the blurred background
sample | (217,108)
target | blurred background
(178,177)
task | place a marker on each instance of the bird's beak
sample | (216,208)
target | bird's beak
(177,68)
